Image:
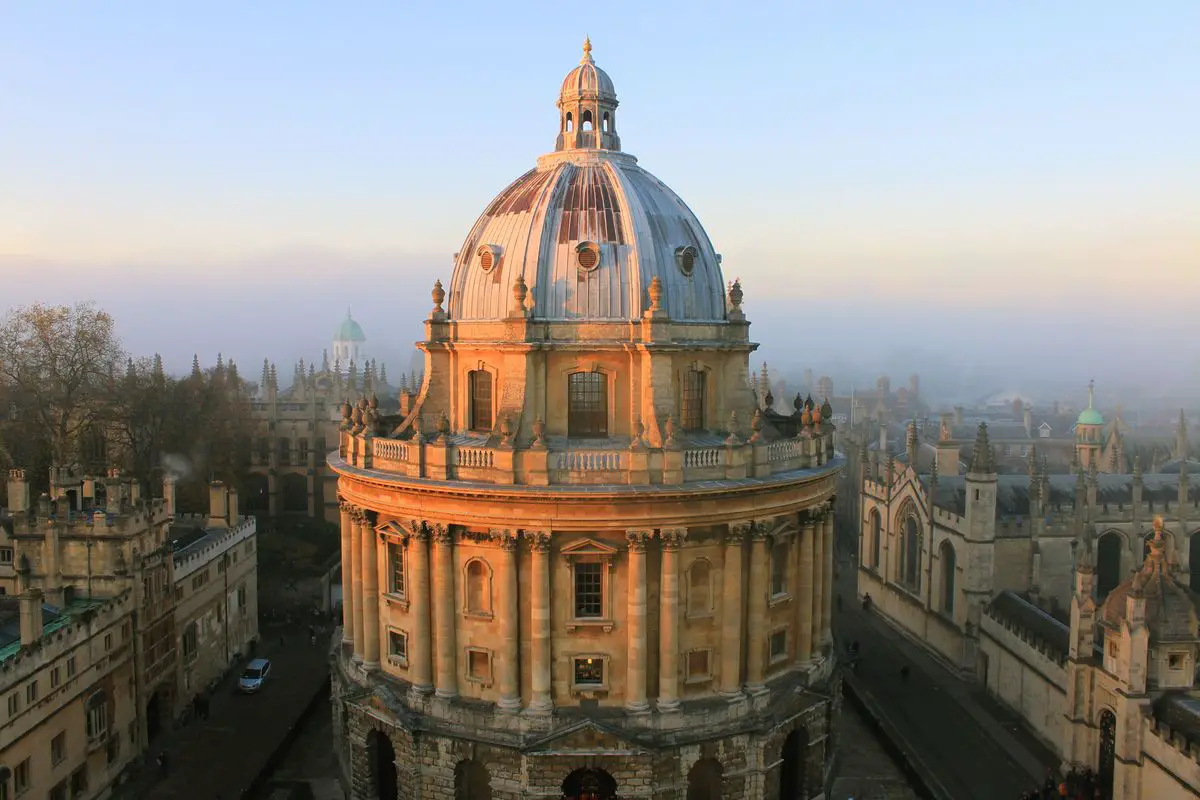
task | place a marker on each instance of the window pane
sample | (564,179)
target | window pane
(396,557)
(481,400)
(589,595)
(587,405)
(589,671)
(692,409)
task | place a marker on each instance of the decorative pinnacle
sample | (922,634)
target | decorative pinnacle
(587,50)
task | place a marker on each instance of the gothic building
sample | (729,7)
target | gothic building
(584,562)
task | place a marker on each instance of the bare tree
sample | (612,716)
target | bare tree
(55,364)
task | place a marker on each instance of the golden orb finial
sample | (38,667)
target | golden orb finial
(587,48)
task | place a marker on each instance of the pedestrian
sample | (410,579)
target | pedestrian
(162,764)
(202,703)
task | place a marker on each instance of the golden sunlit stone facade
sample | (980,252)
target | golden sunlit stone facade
(584,563)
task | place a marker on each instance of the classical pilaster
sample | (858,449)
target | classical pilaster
(509,679)
(827,583)
(636,655)
(443,612)
(420,644)
(760,586)
(804,589)
(370,589)
(818,573)
(668,620)
(348,595)
(356,571)
(542,701)
(731,611)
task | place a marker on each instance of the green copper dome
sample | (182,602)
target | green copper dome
(1090,416)
(349,331)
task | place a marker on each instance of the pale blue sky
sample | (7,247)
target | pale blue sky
(1008,156)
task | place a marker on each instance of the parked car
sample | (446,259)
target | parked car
(254,676)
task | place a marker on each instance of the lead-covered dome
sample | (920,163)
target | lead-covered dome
(588,230)
(1171,606)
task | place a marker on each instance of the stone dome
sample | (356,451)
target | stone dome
(588,230)
(349,331)
(1171,606)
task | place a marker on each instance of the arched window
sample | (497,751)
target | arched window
(948,559)
(1108,563)
(704,780)
(570,123)
(586,121)
(479,587)
(699,588)
(692,400)
(876,538)
(381,757)
(480,384)
(912,552)
(605,123)
(587,405)
(96,709)
(472,781)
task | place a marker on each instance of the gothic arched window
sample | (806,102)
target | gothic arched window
(876,538)
(948,559)
(912,553)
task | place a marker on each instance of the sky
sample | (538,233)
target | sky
(1009,188)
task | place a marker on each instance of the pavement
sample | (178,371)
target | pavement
(222,757)
(865,769)
(960,742)
(309,769)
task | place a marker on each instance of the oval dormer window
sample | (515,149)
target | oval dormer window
(489,256)
(685,257)
(588,256)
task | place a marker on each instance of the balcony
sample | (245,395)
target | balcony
(696,459)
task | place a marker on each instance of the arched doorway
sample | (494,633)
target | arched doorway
(1108,753)
(1108,564)
(1194,560)
(472,781)
(949,565)
(295,493)
(589,784)
(791,771)
(382,758)
(704,780)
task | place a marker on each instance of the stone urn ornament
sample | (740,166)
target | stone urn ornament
(443,426)
(539,434)
(670,431)
(506,430)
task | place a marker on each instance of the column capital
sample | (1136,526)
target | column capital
(637,540)
(539,541)
(441,533)
(504,537)
(345,506)
(420,531)
(672,538)
(738,531)
(761,529)
(809,518)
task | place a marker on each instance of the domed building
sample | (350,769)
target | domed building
(1132,709)
(584,563)
(349,343)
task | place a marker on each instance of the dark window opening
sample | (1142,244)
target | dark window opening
(589,590)
(587,405)
(480,385)
(693,400)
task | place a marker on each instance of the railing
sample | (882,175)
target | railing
(588,460)
(475,457)
(707,457)
(389,449)
(785,450)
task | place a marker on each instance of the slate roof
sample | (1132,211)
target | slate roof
(1012,491)
(1055,634)
(1181,711)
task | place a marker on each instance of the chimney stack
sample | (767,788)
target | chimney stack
(233,507)
(112,492)
(18,491)
(169,493)
(31,617)
(218,505)
(135,492)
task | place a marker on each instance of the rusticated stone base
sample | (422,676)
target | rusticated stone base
(739,751)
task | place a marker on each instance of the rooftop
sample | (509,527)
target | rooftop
(53,619)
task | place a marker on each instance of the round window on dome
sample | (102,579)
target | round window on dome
(685,258)
(489,256)
(588,256)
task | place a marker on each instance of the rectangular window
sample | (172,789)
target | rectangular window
(699,665)
(285,451)
(6,555)
(396,569)
(59,792)
(1175,661)
(190,636)
(14,704)
(589,671)
(264,450)
(31,693)
(398,646)
(55,677)
(302,446)
(97,717)
(479,665)
(58,748)
(70,667)
(779,565)
(778,645)
(108,642)
(587,405)
(21,775)
(589,589)
(480,385)
(241,596)
(692,402)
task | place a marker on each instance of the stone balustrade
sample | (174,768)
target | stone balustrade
(445,458)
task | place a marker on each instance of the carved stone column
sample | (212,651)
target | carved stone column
(542,701)
(347,536)
(370,589)
(668,620)
(731,611)
(827,583)
(804,590)
(636,655)
(510,654)
(818,572)
(356,572)
(443,611)
(759,588)
(420,645)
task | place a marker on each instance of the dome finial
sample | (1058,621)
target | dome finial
(1091,393)
(587,50)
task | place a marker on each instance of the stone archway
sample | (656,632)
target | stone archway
(381,757)
(589,784)
(704,780)
(472,781)
(792,769)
